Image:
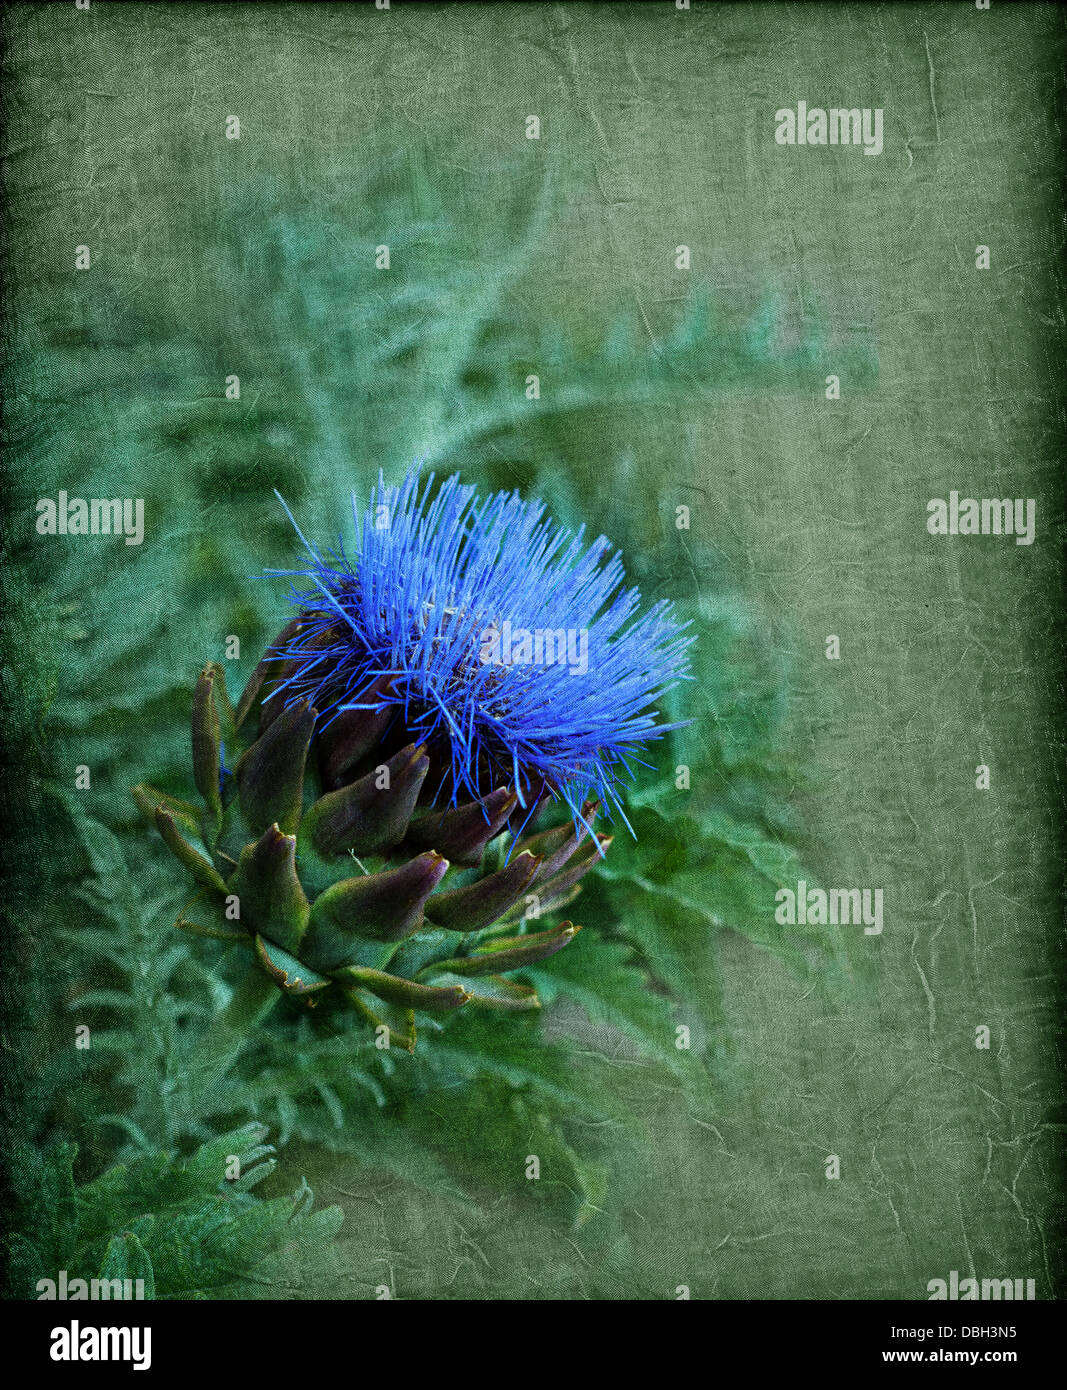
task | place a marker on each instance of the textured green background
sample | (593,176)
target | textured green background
(660,127)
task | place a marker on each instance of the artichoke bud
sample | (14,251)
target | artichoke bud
(202,869)
(270,774)
(288,973)
(323,855)
(370,815)
(407,994)
(353,734)
(185,815)
(268,890)
(479,904)
(511,953)
(207,740)
(397,745)
(573,869)
(554,847)
(267,672)
(387,907)
(463,833)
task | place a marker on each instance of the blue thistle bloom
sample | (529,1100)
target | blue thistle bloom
(503,642)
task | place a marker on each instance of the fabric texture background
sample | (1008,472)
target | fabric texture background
(658,127)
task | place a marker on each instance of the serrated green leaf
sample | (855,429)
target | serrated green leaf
(604,978)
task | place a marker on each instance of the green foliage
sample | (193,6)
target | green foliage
(345,369)
(711,857)
(608,983)
(178,1225)
(316,1077)
(141,992)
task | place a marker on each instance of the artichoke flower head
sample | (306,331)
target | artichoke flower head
(378,840)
